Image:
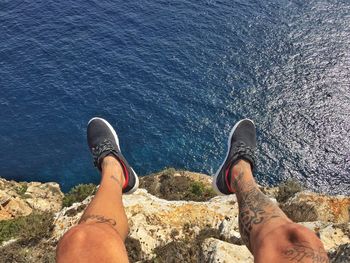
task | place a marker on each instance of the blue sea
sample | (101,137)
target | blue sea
(173,77)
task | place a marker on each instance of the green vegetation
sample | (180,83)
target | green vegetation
(183,188)
(23,252)
(22,189)
(78,194)
(169,186)
(288,189)
(168,171)
(200,191)
(34,226)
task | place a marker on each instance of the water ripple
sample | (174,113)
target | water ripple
(173,77)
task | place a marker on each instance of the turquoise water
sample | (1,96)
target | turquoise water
(173,77)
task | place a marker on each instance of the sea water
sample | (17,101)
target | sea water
(173,77)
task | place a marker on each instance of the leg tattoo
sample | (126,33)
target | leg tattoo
(254,207)
(303,251)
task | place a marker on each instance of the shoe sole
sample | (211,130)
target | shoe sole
(216,189)
(136,186)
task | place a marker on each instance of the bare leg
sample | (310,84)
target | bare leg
(267,232)
(103,228)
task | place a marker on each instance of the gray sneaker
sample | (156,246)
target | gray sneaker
(103,141)
(241,145)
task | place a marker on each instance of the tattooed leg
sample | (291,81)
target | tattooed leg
(107,202)
(255,209)
(103,228)
(267,232)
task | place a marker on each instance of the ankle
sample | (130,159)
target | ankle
(110,162)
(240,172)
(113,169)
(239,167)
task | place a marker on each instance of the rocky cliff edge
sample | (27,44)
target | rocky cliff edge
(173,217)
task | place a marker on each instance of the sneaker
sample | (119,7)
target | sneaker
(103,140)
(241,145)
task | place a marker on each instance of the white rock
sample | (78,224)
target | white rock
(229,229)
(217,251)
(17,207)
(44,197)
(331,235)
(308,206)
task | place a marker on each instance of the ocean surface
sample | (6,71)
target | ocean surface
(173,77)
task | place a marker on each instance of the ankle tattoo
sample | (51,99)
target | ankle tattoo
(120,183)
(254,207)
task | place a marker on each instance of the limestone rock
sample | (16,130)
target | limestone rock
(44,197)
(331,235)
(12,206)
(20,199)
(229,230)
(154,221)
(4,198)
(217,251)
(16,207)
(307,206)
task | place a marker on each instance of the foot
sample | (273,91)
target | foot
(241,146)
(103,141)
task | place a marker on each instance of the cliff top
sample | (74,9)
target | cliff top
(174,217)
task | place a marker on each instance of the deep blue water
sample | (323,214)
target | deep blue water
(173,77)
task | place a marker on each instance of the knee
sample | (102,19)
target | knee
(288,242)
(75,239)
(82,236)
(295,233)
(79,234)
(89,241)
(286,235)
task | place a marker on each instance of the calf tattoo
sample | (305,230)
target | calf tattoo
(254,208)
(98,219)
(300,252)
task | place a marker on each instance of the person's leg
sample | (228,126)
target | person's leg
(102,229)
(267,232)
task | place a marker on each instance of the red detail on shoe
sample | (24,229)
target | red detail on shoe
(227,174)
(126,174)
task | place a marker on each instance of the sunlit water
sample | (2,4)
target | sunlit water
(173,77)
